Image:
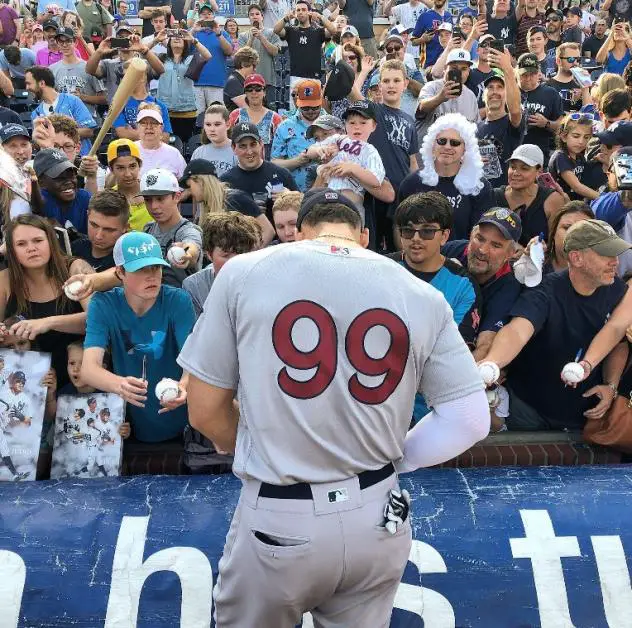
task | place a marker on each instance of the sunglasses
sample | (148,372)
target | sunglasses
(553,19)
(253,88)
(391,49)
(570,59)
(309,108)
(582,116)
(442,141)
(425,233)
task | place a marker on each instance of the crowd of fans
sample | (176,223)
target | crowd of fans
(466,137)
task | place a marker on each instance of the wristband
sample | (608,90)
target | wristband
(587,366)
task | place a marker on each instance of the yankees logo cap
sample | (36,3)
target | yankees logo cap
(459,55)
(243,130)
(158,182)
(309,93)
(135,250)
(318,196)
(51,162)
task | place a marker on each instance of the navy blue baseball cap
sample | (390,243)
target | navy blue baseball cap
(506,221)
(317,196)
(13,130)
(617,134)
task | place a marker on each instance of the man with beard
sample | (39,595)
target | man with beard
(63,201)
(593,44)
(426,31)
(554,20)
(550,322)
(263,179)
(486,255)
(290,143)
(541,103)
(504,125)
(618,8)
(41,83)
(564,83)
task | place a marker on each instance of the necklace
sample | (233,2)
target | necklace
(336,237)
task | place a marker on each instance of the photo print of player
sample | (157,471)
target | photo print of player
(22,405)
(87,442)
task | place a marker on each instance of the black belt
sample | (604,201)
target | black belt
(303,490)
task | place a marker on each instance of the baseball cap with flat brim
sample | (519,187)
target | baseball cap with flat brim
(158,182)
(316,196)
(51,163)
(596,235)
(135,250)
(459,55)
(528,62)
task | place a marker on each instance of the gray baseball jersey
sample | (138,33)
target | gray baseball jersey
(326,347)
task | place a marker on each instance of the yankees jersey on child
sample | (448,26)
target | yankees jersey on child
(358,152)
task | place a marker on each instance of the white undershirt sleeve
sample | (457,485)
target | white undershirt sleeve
(445,432)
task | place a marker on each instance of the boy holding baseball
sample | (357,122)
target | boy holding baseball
(145,324)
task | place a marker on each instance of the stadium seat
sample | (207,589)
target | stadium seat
(186,210)
(21,101)
(176,142)
(191,145)
(25,116)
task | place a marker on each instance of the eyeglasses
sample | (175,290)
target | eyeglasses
(484,44)
(65,147)
(310,108)
(253,88)
(553,19)
(570,59)
(425,233)
(391,49)
(442,141)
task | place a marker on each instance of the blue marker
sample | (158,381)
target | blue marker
(578,356)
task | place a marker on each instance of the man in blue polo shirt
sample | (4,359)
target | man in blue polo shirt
(486,255)
(64,202)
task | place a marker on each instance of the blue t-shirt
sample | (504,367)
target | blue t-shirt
(76,213)
(614,65)
(128,114)
(289,142)
(69,105)
(159,336)
(430,21)
(214,71)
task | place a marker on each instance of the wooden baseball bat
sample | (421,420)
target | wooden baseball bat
(135,73)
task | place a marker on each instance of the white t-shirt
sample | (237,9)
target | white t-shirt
(356,151)
(166,157)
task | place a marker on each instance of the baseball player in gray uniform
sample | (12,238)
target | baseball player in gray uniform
(325,345)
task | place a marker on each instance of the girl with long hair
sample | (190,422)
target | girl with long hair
(615,52)
(32,289)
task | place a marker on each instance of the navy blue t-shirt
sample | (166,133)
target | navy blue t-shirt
(561,162)
(498,139)
(76,213)
(503,28)
(564,323)
(545,100)
(467,209)
(83,248)
(395,138)
(499,293)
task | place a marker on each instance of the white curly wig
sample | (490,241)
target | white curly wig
(469,178)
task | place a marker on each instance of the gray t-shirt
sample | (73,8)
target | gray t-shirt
(223,158)
(465,104)
(184,231)
(326,370)
(112,72)
(198,286)
(72,78)
(27,60)
(265,67)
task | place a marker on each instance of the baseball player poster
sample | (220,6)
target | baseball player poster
(87,442)
(22,405)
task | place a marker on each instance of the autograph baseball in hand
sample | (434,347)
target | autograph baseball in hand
(573,373)
(489,372)
(167,390)
(73,289)
(176,255)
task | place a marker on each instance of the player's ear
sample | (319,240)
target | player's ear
(364,237)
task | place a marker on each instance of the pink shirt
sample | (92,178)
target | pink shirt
(166,157)
(45,57)
(9,31)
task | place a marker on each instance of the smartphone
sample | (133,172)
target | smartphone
(207,24)
(545,179)
(119,42)
(455,76)
(582,77)
(257,24)
(454,11)
(457,33)
(623,171)
(173,32)
(497,45)
(618,20)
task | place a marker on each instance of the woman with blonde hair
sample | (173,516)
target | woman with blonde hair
(604,84)
(615,52)
(32,289)
(214,197)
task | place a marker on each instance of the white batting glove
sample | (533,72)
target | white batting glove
(396,510)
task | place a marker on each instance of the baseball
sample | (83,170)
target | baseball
(573,373)
(73,289)
(489,372)
(176,254)
(167,390)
